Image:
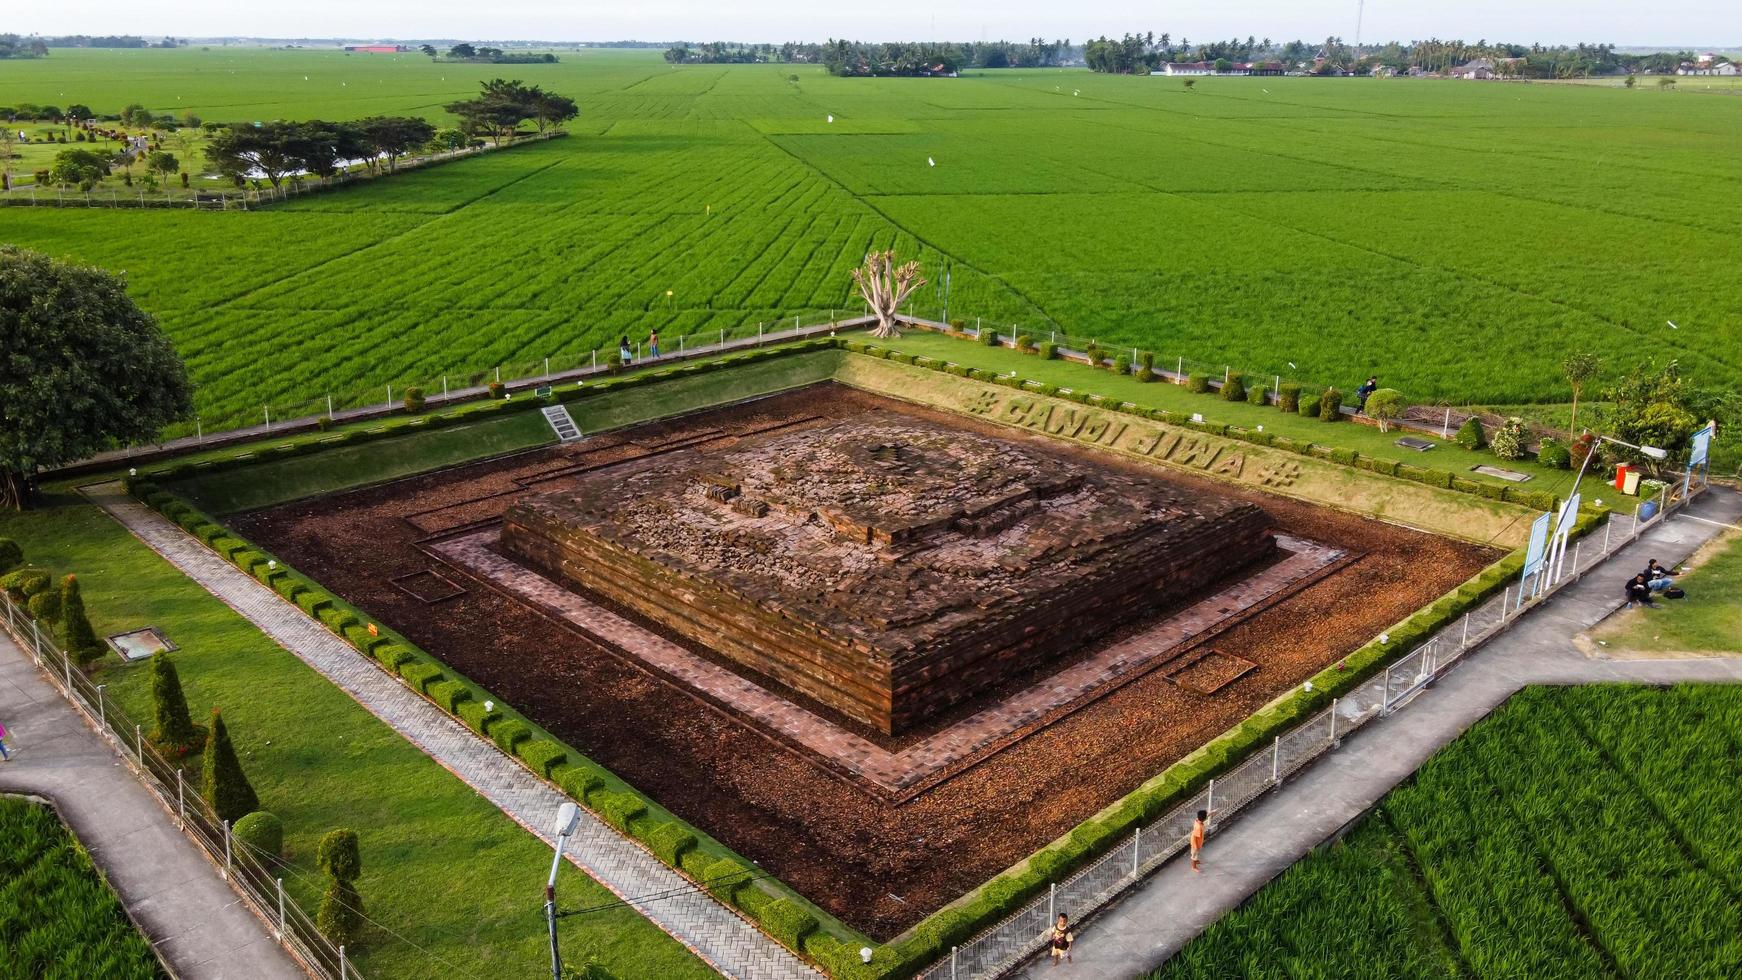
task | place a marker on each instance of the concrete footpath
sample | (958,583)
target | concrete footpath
(1161,915)
(200,927)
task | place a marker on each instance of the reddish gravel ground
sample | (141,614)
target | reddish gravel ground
(878,865)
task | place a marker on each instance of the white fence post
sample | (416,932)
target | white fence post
(139,745)
(102,709)
(181,802)
(281,908)
(1275,759)
(953,962)
(1576,545)
(1210,800)
(1607,527)
(1333,721)
(344,972)
(1464,644)
(1052,894)
(226,850)
(1136,850)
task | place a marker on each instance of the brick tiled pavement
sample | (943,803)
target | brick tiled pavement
(715,933)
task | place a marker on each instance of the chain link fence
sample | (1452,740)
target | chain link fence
(248,873)
(1003,947)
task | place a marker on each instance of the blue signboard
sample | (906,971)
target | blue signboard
(1702,445)
(1538,549)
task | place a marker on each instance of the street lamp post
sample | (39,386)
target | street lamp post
(1563,523)
(568,817)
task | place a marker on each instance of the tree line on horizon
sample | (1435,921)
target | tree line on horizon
(843,57)
(1148,51)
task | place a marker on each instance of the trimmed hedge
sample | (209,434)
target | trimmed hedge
(477,718)
(509,733)
(619,808)
(420,675)
(1048,351)
(1234,389)
(1197,383)
(1288,396)
(1258,395)
(787,921)
(1331,405)
(541,755)
(670,840)
(1308,406)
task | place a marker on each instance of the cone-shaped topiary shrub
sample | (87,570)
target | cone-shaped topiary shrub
(77,638)
(341,914)
(222,781)
(1470,434)
(1146,367)
(173,731)
(1331,405)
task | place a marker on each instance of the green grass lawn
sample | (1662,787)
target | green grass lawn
(1709,620)
(691,198)
(58,918)
(454,880)
(1578,832)
(1367,440)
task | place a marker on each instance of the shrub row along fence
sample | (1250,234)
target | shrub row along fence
(1005,946)
(233,199)
(241,867)
(465,385)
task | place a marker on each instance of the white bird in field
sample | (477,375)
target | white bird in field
(1291,364)
(1076,91)
(304,78)
(831,117)
(930,162)
(1672,325)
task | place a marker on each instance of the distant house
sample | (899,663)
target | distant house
(1480,68)
(1704,67)
(377,48)
(1259,68)
(1190,68)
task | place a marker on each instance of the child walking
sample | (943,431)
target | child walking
(1062,938)
(1198,837)
(4,757)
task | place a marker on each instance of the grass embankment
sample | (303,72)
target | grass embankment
(1709,620)
(58,917)
(443,868)
(1577,832)
(1367,440)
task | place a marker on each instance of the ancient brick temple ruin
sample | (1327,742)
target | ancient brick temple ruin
(885,567)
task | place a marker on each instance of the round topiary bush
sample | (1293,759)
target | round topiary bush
(1331,405)
(263,833)
(413,400)
(1122,365)
(1470,434)
(45,607)
(1309,406)
(1288,396)
(1024,343)
(1508,441)
(1258,395)
(1048,351)
(1198,383)
(1234,389)
(1554,455)
(1093,353)
(988,336)
(22,583)
(11,555)
(1385,406)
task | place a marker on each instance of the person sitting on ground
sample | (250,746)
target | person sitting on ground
(1638,592)
(1062,938)
(1657,577)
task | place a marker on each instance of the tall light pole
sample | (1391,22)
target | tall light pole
(1563,524)
(568,817)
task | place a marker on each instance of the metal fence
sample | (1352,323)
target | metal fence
(1006,945)
(249,874)
(465,383)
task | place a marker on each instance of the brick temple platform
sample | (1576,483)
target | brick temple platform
(902,774)
(887,568)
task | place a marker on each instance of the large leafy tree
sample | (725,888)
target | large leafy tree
(274,150)
(323,147)
(394,136)
(550,109)
(81,368)
(499,109)
(1652,407)
(78,166)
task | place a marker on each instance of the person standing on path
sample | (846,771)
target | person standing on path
(1362,393)
(653,344)
(1198,827)
(1062,939)
(4,755)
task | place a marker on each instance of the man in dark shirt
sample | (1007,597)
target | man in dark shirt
(1367,388)
(1638,591)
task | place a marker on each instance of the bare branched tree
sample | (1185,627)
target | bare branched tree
(885,286)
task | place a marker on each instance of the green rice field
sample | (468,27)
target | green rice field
(1577,832)
(58,918)
(1455,238)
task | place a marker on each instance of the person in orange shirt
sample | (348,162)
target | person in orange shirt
(1198,826)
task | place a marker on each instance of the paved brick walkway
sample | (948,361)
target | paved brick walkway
(900,774)
(199,926)
(715,933)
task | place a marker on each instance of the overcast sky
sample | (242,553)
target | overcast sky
(1669,22)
